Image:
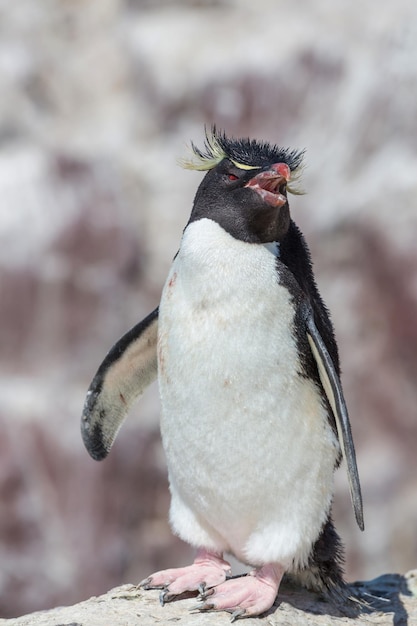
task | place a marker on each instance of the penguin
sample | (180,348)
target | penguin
(253,418)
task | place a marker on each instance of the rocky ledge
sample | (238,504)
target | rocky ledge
(393,599)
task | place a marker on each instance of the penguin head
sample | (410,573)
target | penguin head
(245,188)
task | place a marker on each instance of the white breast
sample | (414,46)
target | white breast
(249,449)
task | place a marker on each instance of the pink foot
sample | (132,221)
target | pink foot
(208,570)
(246,596)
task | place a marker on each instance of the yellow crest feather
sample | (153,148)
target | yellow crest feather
(246,154)
(203,160)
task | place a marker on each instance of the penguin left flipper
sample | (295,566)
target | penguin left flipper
(333,390)
(129,367)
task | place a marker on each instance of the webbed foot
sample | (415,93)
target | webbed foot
(207,571)
(246,596)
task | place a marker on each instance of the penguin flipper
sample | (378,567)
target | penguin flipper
(331,384)
(129,367)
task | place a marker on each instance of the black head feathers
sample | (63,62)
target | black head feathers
(245,153)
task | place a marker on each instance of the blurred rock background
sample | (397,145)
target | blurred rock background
(98,98)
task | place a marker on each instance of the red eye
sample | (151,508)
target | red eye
(231,177)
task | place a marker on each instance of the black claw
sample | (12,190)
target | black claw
(237,613)
(144,584)
(201,589)
(207,593)
(207,606)
(163,596)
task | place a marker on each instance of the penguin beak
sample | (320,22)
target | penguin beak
(271,184)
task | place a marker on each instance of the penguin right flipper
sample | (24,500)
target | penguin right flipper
(129,367)
(333,390)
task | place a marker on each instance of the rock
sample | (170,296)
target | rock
(393,599)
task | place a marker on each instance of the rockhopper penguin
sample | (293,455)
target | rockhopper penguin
(254,422)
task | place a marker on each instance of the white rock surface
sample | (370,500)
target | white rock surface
(128,606)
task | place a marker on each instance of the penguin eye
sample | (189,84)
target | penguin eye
(232,177)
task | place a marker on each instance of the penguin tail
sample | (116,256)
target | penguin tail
(324,574)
